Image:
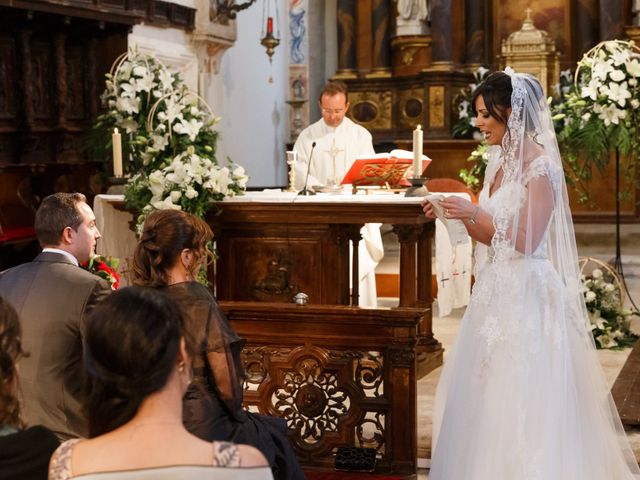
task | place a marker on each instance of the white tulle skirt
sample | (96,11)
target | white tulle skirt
(522,395)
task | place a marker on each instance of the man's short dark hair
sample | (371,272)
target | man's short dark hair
(334,88)
(57,212)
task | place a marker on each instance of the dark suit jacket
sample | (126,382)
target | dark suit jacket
(52,297)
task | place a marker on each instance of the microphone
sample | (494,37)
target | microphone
(305,191)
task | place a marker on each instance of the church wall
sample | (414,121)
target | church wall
(254,116)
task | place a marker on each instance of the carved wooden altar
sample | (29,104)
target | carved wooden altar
(270,251)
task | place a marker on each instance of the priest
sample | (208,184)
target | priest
(326,150)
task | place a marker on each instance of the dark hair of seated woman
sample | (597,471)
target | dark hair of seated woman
(24,452)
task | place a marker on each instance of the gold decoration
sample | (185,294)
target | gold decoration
(407,46)
(633,32)
(381,102)
(436,106)
(530,50)
(404,96)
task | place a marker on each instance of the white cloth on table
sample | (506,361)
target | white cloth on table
(335,151)
(118,240)
(453,269)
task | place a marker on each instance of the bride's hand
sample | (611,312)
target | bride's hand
(457,208)
(428,209)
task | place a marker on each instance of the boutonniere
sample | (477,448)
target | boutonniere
(104,267)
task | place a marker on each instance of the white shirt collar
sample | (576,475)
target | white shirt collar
(73,259)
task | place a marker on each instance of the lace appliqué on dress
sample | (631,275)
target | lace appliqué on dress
(60,464)
(226,454)
(492,331)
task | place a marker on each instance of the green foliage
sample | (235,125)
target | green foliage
(474,176)
(599,112)
(169,139)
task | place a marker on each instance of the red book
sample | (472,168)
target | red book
(383,169)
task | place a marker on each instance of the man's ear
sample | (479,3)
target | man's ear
(68,235)
(346,107)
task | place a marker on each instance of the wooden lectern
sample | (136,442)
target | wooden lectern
(339,374)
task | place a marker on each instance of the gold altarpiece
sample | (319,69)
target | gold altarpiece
(399,81)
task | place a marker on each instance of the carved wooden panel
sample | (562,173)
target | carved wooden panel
(436,106)
(8,74)
(337,375)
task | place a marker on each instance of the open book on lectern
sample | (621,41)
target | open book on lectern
(383,169)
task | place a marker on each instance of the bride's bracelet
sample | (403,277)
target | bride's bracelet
(472,220)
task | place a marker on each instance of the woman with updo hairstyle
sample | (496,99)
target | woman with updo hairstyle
(24,453)
(171,252)
(137,369)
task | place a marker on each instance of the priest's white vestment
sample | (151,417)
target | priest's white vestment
(335,151)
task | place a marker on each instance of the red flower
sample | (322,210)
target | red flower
(104,267)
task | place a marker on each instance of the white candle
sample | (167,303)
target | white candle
(116,140)
(417,152)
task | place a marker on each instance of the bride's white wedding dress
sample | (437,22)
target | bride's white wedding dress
(522,395)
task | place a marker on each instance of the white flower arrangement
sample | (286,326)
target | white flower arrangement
(170,139)
(600,111)
(609,321)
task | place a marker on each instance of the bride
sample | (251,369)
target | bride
(522,395)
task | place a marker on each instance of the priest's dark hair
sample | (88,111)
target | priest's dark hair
(10,353)
(55,213)
(131,346)
(333,88)
(165,234)
(496,92)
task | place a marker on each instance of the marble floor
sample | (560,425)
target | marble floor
(594,241)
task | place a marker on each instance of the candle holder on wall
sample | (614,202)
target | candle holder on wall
(270,40)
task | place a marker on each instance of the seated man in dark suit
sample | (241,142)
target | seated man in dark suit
(53,296)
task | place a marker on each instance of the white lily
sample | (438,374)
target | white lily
(191,128)
(617,92)
(633,68)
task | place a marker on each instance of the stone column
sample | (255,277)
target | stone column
(585,27)
(346,38)
(611,19)
(475,11)
(446,16)
(380,40)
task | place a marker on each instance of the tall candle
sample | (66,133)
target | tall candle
(417,152)
(270,25)
(116,140)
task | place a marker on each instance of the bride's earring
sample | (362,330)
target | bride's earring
(185,372)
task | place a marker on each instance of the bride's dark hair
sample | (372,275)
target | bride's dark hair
(165,234)
(496,92)
(131,345)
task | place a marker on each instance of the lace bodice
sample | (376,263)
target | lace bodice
(512,196)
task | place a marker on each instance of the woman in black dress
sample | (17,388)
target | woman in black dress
(171,251)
